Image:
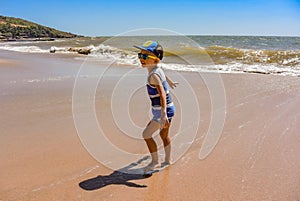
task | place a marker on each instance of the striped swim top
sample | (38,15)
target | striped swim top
(153,92)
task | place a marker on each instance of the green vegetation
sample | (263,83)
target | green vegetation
(16,28)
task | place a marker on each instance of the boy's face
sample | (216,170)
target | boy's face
(151,59)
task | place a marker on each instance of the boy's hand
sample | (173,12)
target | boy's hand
(164,122)
(173,84)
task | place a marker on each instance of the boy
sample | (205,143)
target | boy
(162,105)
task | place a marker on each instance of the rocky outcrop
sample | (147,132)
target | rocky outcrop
(80,50)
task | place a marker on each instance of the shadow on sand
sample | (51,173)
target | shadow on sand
(119,177)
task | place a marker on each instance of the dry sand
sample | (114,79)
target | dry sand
(42,157)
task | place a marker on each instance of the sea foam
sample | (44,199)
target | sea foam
(223,59)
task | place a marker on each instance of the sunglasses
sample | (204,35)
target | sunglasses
(145,56)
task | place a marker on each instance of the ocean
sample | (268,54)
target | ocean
(219,54)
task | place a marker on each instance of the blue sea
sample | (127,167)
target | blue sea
(220,54)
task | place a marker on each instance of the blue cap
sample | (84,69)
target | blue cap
(152,46)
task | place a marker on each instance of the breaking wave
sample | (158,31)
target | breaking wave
(225,59)
(223,55)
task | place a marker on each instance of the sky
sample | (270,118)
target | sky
(188,17)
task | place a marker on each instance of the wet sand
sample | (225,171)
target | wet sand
(42,157)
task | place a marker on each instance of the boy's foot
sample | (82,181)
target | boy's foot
(151,166)
(166,163)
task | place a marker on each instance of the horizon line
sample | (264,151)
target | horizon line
(224,35)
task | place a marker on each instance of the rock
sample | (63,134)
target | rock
(85,51)
(52,49)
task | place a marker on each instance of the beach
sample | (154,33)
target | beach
(43,157)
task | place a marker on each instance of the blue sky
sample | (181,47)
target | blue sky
(190,17)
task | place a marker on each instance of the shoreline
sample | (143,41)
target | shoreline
(79,52)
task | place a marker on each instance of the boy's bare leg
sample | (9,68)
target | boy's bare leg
(164,134)
(147,135)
